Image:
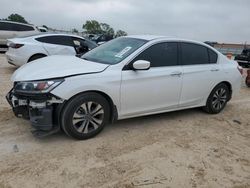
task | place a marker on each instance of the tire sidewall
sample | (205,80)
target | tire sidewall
(71,107)
(210,99)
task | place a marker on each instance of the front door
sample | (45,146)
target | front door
(154,90)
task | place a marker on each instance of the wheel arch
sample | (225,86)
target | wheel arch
(113,108)
(229,85)
(36,54)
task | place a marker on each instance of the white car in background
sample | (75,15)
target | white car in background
(126,77)
(24,50)
(9,29)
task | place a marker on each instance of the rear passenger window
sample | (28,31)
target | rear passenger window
(212,56)
(60,40)
(194,54)
(159,55)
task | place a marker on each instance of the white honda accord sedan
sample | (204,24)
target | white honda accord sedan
(27,49)
(126,77)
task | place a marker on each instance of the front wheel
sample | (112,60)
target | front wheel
(217,99)
(85,116)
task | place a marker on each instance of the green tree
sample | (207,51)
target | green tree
(120,33)
(106,29)
(74,30)
(16,18)
(92,27)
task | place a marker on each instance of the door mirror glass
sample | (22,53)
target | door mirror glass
(141,65)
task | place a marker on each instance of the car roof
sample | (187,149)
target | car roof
(48,34)
(56,34)
(146,37)
(159,37)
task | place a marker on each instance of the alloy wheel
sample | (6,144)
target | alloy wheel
(88,117)
(219,99)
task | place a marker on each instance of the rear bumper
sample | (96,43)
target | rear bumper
(42,115)
(15,59)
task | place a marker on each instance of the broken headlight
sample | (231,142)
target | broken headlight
(37,86)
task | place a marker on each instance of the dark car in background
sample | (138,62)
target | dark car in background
(100,39)
(244,58)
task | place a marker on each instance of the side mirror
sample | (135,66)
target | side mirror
(141,65)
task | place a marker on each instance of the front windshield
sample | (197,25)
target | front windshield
(114,51)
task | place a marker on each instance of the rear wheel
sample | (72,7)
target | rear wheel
(85,116)
(217,99)
(35,57)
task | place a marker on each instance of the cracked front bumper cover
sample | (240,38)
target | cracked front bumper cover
(36,109)
(41,119)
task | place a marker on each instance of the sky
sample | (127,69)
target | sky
(203,20)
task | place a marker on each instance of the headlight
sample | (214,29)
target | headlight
(37,86)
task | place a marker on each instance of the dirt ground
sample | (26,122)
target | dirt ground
(179,149)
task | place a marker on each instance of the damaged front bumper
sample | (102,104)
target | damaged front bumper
(41,109)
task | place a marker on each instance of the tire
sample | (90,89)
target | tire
(85,115)
(35,57)
(217,99)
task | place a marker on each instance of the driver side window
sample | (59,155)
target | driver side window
(160,55)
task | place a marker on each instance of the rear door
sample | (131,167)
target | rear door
(58,45)
(201,73)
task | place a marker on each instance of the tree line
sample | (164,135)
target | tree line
(90,26)
(94,27)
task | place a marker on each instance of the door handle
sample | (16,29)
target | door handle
(177,73)
(214,70)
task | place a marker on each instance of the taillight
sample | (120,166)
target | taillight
(240,69)
(14,45)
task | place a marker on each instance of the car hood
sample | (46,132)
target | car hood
(56,67)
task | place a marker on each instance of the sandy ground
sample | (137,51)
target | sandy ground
(179,149)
